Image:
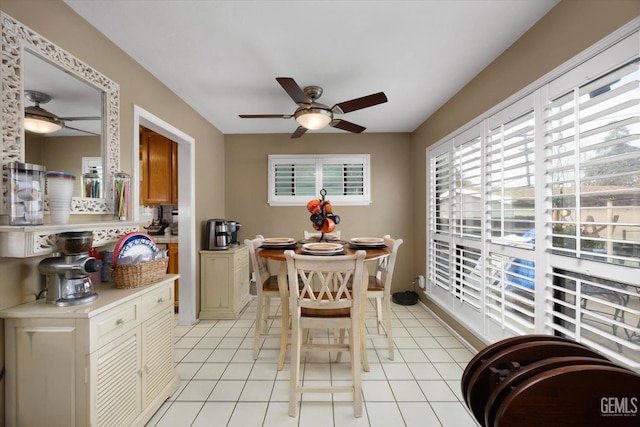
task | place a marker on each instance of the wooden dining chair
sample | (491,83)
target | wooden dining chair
(379,290)
(266,289)
(320,297)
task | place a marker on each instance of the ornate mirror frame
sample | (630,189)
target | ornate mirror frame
(15,38)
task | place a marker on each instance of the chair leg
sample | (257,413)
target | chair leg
(266,309)
(355,342)
(294,375)
(258,328)
(387,326)
(378,303)
(284,331)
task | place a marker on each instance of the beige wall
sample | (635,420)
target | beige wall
(55,21)
(58,23)
(568,29)
(391,189)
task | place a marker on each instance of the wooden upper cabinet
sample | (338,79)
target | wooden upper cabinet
(159,164)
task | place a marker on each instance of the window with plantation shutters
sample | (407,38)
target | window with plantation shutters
(294,179)
(534,209)
(592,134)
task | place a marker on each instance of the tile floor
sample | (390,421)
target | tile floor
(221,384)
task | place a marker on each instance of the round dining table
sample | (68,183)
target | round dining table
(277,254)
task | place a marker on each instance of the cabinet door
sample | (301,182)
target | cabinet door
(116,395)
(44,370)
(157,354)
(173,267)
(156,162)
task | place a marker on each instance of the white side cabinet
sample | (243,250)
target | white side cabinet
(224,282)
(108,363)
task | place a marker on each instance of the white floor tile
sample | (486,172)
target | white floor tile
(384,414)
(218,411)
(221,383)
(418,414)
(180,414)
(227,391)
(196,391)
(453,414)
(248,414)
(256,391)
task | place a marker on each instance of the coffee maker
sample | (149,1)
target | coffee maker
(217,235)
(67,277)
(234,228)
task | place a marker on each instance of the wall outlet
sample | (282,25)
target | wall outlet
(421,282)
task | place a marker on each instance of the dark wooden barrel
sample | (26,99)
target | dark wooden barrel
(498,366)
(517,377)
(573,396)
(492,349)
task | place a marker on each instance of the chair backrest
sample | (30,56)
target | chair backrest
(259,265)
(333,235)
(324,282)
(386,265)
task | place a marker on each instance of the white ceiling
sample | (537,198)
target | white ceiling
(222,57)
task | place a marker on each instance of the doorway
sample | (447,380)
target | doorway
(186,204)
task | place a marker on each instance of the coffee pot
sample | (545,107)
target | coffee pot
(67,277)
(217,235)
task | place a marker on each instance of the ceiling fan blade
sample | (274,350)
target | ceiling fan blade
(360,103)
(298,132)
(348,126)
(81,130)
(72,119)
(294,90)
(265,116)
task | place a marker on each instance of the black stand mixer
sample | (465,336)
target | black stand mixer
(67,278)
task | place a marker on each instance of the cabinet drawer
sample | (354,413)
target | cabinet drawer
(114,322)
(153,302)
(241,257)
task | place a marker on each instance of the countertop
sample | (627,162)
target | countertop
(172,238)
(108,296)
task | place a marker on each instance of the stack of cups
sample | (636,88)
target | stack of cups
(60,191)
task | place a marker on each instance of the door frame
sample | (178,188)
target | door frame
(187,314)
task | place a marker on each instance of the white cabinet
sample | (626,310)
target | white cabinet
(108,363)
(224,282)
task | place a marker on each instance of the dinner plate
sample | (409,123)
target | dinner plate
(367,241)
(323,252)
(133,244)
(278,241)
(322,247)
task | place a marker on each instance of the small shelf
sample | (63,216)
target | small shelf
(35,240)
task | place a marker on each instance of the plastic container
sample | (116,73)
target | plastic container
(26,195)
(121,183)
(60,191)
(91,186)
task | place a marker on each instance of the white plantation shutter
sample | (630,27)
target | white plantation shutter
(294,179)
(593,141)
(439,221)
(534,211)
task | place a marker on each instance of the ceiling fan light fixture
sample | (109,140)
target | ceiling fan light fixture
(313,118)
(36,118)
(43,124)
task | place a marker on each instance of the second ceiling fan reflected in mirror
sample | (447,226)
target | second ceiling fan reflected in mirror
(40,121)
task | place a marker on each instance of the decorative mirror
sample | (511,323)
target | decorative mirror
(18,42)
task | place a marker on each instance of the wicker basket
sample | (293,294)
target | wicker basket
(137,275)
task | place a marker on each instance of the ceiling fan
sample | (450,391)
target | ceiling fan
(39,120)
(313,115)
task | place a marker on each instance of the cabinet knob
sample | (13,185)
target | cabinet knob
(119,321)
(160,300)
